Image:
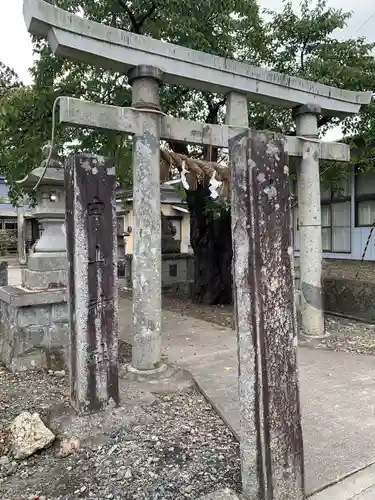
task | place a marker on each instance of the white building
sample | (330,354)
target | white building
(347,217)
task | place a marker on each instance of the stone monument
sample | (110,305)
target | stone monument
(91,227)
(34,315)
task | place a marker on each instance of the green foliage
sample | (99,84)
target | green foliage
(26,113)
(226,28)
(303,44)
(8,241)
(298,44)
(216,208)
(8,78)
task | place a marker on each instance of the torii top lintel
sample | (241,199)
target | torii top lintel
(88,41)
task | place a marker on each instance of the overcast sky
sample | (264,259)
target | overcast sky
(16,50)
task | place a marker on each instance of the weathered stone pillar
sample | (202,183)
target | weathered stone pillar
(4,273)
(271,435)
(91,227)
(309,215)
(237,115)
(146,265)
(21,234)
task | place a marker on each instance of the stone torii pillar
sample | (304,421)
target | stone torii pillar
(146,270)
(310,226)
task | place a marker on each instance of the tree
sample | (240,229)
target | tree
(303,45)
(228,28)
(299,44)
(8,77)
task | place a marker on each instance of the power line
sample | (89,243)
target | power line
(367,20)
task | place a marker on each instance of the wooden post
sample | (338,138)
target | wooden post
(91,228)
(271,435)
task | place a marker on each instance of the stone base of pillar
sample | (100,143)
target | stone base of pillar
(45,271)
(311,338)
(165,379)
(34,329)
(143,375)
(303,336)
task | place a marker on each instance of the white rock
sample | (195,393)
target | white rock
(4,461)
(27,434)
(128,474)
(68,447)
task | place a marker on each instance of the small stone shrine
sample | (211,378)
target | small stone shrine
(168,231)
(34,315)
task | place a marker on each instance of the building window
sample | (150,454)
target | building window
(176,223)
(336,218)
(365,199)
(336,233)
(8,224)
(173,270)
(294,208)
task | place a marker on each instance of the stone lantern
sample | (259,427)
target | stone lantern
(34,317)
(47,261)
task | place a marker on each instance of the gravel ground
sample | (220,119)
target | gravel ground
(349,336)
(168,446)
(154,447)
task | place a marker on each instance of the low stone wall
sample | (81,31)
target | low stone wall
(345,295)
(350,297)
(177,270)
(34,330)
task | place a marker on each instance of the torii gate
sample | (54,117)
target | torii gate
(272,457)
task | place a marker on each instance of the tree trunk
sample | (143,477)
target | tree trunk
(210,235)
(211,241)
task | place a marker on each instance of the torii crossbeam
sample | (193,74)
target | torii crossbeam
(77,112)
(117,50)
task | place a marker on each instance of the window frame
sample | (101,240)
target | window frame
(359,199)
(13,222)
(326,203)
(8,220)
(334,199)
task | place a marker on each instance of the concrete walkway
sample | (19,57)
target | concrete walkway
(358,486)
(337,395)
